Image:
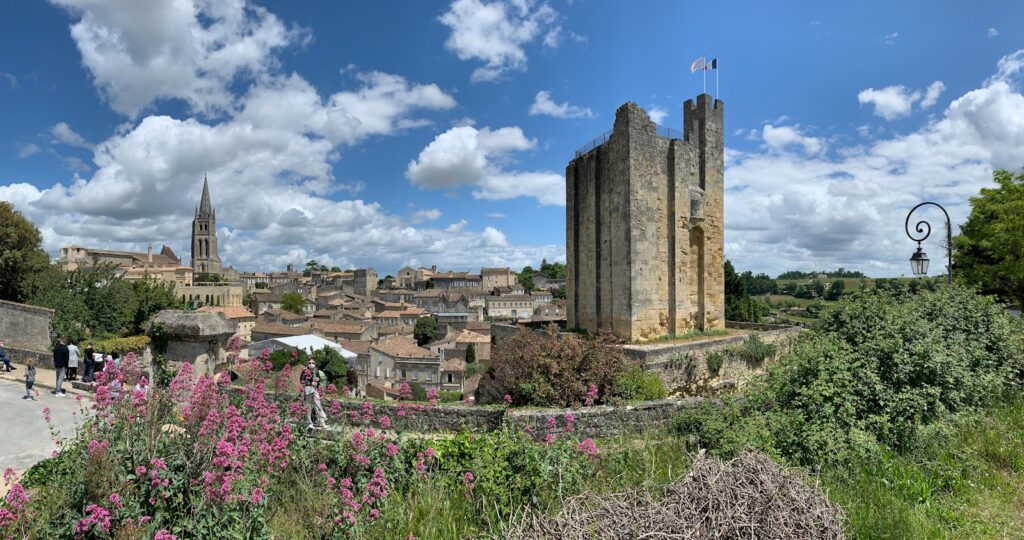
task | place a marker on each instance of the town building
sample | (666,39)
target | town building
(398,360)
(245,319)
(492,278)
(205,259)
(644,226)
(513,306)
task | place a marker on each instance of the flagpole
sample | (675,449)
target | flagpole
(717,91)
(704,69)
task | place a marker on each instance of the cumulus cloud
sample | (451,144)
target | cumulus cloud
(894,102)
(64,134)
(782,137)
(269,151)
(422,215)
(788,210)
(543,105)
(992,32)
(657,114)
(496,33)
(26,150)
(468,156)
(140,52)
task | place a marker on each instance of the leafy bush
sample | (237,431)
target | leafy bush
(122,345)
(282,357)
(639,385)
(418,392)
(449,396)
(550,369)
(333,364)
(755,351)
(715,360)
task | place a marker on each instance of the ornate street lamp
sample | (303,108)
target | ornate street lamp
(919,260)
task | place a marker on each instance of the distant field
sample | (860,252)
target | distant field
(776,298)
(849,283)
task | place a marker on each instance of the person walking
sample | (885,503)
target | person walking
(309,380)
(4,358)
(73,357)
(30,380)
(90,363)
(60,364)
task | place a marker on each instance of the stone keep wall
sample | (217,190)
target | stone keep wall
(644,227)
(25,327)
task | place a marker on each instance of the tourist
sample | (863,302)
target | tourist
(30,380)
(73,355)
(4,358)
(60,364)
(90,363)
(309,380)
(117,359)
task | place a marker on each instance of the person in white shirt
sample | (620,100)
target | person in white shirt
(73,356)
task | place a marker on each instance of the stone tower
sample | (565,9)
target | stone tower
(204,236)
(644,226)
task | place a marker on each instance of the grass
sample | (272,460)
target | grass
(963,479)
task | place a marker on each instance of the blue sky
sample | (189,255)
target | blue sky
(399,133)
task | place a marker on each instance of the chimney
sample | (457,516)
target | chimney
(149,254)
(433,268)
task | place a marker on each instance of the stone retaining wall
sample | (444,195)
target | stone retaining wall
(602,420)
(25,327)
(42,359)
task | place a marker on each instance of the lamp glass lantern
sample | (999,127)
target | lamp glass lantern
(919,263)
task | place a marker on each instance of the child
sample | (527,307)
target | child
(30,379)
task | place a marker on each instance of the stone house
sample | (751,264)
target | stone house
(398,359)
(460,340)
(453,371)
(553,309)
(541,297)
(401,296)
(512,289)
(282,317)
(343,330)
(515,306)
(262,302)
(361,363)
(241,316)
(492,278)
(411,278)
(456,280)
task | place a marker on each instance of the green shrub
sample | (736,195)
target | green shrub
(333,364)
(282,357)
(122,345)
(714,360)
(418,392)
(638,385)
(448,396)
(755,351)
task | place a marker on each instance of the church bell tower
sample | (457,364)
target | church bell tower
(204,236)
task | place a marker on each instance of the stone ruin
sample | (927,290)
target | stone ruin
(198,338)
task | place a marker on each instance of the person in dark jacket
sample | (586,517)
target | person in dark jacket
(3,356)
(90,363)
(60,363)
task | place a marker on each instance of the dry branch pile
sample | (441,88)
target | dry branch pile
(750,496)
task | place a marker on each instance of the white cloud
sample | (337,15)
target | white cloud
(422,215)
(63,133)
(496,215)
(992,32)
(468,156)
(894,102)
(790,210)
(890,39)
(931,95)
(543,105)
(140,52)
(9,79)
(781,137)
(269,151)
(496,32)
(26,150)
(657,114)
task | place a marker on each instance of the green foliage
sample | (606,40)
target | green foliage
(425,331)
(714,360)
(555,270)
(293,302)
(739,306)
(690,334)
(336,269)
(759,284)
(418,392)
(638,385)
(755,351)
(550,369)
(333,364)
(21,254)
(122,345)
(262,285)
(990,247)
(525,278)
(449,396)
(835,290)
(840,273)
(209,277)
(470,354)
(282,357)
(559,294)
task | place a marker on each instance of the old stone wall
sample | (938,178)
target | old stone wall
(40,359)
(25,327)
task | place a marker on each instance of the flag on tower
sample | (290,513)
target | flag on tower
(697,65)
(713,64)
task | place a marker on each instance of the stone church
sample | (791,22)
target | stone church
(204,236)
(644,226)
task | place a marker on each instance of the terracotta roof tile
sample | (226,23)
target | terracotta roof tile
(402,347)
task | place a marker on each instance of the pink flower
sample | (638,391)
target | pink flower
(115,500)
(385,421)
(374,514)
(552,423)
(587,446)
(508,399)
(549,438)
(391,450)
(164,534)
(591,395)
(257,495)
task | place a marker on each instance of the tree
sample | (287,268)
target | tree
(835,291)
(525,278)
(21,256)
(554,270)
(989,251)
(559,294)
(152,296)
(335,269)
(333,364)
(425,330)
(739,306)
(470,354)
(262,285)
(294,302)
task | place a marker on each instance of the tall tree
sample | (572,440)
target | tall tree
(21,256)
(525,278)
(739,306)
(989,251)
(425,330)
(294,302)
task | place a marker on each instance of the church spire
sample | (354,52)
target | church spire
(205,207)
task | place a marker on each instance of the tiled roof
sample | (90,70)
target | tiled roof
(510,298)
(358,347)
(279,329)
(453,364)
(338,327)
(402,347)
(492,271)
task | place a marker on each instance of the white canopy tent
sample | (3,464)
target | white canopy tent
(308,343)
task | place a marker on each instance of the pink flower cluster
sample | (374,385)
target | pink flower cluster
(591,395)
(587,447)
(96,516)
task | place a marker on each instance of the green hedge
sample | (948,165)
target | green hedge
(638,385)
(123,345)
